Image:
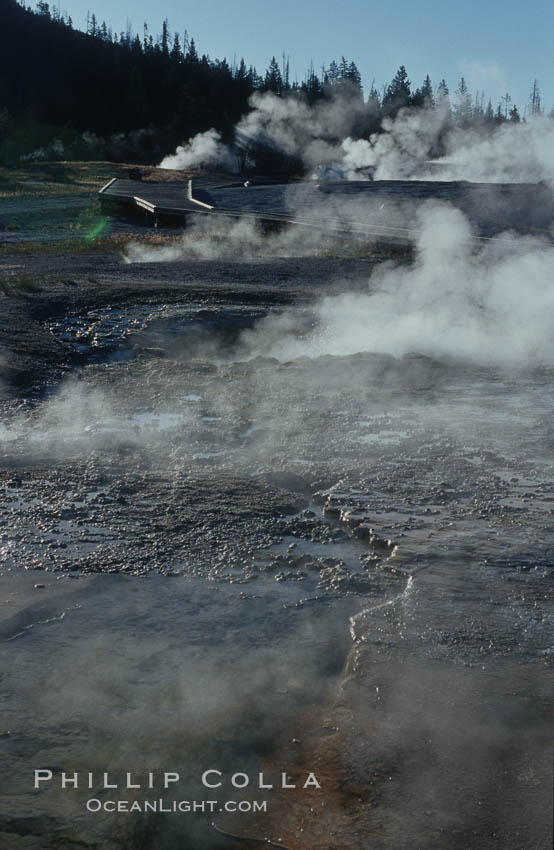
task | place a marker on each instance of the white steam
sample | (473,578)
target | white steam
(491,304)
(206,150)
(519,153)
(327,134)
(400,151)
(485,301)
(510,153)
(312,133)
(289,125)
(329,223)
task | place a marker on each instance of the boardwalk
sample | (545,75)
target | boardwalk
(382,209)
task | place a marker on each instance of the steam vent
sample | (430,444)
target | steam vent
(383,209)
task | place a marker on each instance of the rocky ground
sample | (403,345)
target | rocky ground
(380,523)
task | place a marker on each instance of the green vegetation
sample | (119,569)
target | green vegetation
(66,94)
(18,284)
(108,244)
(71,218)
(53,178)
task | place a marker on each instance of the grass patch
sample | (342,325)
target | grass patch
(54,178)
(66,177)
(61,278)
(20,284)
(80,226)
(114,244)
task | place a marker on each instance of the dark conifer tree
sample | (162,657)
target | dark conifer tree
(273,80)
(191,54)
(463,109)
(332,73)
(312,86)
(355,78)
(176,53)
(118,84)
(165,38)
(535,100)
(427,92)
(398,93)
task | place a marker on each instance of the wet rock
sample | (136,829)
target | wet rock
(288,481)
(363,531)
(332,562)
(332,573)
(332,511)
(382,544)
(307,560)
(290,576)
(265,362)
(202,367)
(320,497)
(369,560)
(236,370)
(40,825)
(353,518)
(358,583)
(150,352)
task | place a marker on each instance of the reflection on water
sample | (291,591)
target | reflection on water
(358,554)
(120,674)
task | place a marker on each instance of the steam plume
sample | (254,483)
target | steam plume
(492,304)
(328,134)
(204,150)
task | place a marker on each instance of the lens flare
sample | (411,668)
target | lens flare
(96,229)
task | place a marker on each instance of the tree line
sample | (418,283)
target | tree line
(144,94)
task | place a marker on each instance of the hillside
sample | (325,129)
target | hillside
(55,75)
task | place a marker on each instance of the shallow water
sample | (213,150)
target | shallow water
(267,494)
